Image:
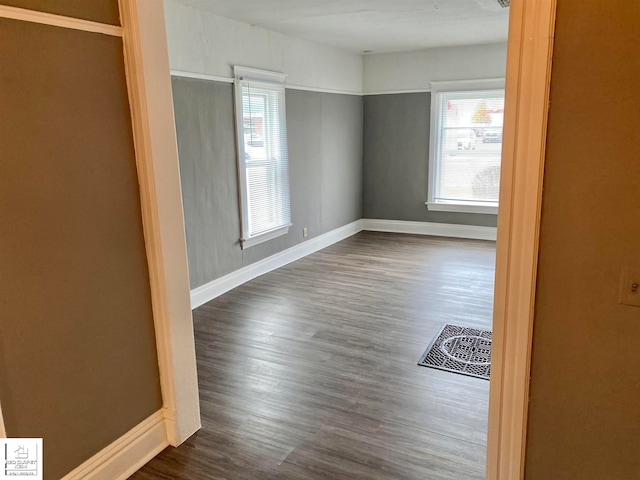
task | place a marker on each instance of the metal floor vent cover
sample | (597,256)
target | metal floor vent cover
(460,350)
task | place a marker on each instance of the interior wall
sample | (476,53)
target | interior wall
(396,161)
(414,71)
(397,110)
(78,362)
(325,167)
(200,42)
(101,11)
(585,387)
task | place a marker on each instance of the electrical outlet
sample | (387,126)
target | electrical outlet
(305,233)
(630,286)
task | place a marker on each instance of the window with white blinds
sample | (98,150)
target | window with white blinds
(262,155)
(466,148)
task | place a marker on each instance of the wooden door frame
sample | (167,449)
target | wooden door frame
(3,432)
(529,56)
(149,85)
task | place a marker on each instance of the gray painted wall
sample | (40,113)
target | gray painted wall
(325,160)
(396,161)
(208,173)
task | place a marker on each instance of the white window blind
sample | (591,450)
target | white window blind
(262,155)
(466,150)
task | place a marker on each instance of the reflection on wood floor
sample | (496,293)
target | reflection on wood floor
(309,372)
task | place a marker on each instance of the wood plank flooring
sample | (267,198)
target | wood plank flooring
(309,372)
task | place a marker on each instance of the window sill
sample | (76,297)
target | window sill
(264,237)
(462,207)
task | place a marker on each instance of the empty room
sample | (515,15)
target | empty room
(339,165)
(273,239)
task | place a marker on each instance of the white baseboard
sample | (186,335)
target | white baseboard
(211,290)
(127,454)
(215,288)
(428,228)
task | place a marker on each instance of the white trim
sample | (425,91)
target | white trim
(529,56)
(323,90)
(127,454)
(219,286)
(215,78)
(462,207)
(211,290)
(201,76)
(430,228)
(149,86)
(43,18)
(464,85)
(3,431)
(264,237)
(434,108)
(397,92)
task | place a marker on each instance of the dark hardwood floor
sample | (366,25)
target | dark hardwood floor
(309,372)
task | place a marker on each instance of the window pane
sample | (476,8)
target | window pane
(469,145)
(265,165)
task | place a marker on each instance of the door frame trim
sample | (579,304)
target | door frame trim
(3,432)
(529,57)
(44,18)
(150,95)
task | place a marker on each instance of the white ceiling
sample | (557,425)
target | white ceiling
(372,25)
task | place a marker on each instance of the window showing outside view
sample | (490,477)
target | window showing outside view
(469,146)
(265,159)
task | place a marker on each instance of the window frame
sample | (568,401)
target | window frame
(437,89)
(274,81)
